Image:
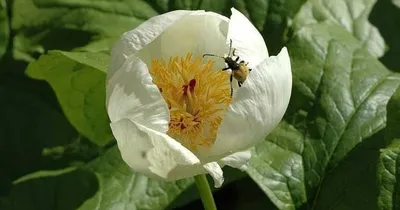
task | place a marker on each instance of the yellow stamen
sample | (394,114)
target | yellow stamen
(197,97)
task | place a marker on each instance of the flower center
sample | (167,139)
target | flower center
(197,97)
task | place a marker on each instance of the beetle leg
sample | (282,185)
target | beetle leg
(231,78)
(237,59)
(240,83)
(224,69)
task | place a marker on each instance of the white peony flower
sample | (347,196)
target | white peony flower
(171,110)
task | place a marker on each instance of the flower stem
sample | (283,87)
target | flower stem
(205,192)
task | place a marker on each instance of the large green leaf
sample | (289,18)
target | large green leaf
(4,27)
(78,80)
(339,99)
(344,91)
(351,15)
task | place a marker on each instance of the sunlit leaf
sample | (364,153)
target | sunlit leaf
(350,15)
(78,80)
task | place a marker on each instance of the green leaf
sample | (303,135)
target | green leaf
(388,25)
(120,187)
(276,166)
(105,183)
(339,100)
(349,14)
(389,177)
(352,184)
(346,91)
(396,3)
(271,18)
(393,117)
(389,160)
(64,25)
(78,80)
(4,28)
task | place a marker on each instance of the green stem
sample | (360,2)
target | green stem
(205,192)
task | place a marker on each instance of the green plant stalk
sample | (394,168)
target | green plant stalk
(205,192)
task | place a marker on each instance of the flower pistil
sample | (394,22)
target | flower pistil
(197,96)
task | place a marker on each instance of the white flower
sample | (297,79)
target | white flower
(170,109)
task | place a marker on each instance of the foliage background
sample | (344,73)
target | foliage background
(338,146)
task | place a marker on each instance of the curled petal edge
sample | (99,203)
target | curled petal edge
(257,107)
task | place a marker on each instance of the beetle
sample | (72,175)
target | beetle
(240,71)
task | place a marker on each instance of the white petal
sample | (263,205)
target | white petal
(150,152)
(158,156)
(215,172)
(199,33)
(132,94)
(237,160)
(184,171)
(257,108)
(134,40)
(246,39)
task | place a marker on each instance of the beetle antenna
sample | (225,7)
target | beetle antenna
(230,47)
(212,55)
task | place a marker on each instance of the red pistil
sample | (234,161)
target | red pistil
(190,87)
